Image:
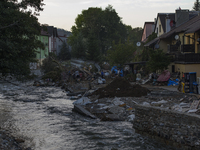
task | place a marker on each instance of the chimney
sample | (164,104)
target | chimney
(167,25)
(155,20)
(181,16)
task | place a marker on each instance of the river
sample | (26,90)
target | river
(43,118)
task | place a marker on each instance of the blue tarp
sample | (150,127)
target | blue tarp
(114,68)
(170,82)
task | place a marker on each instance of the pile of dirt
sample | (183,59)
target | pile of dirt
(120,87)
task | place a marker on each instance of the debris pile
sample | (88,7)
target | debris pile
(120,87)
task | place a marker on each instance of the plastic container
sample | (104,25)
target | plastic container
(195,88)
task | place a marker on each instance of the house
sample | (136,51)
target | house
(148,30)
(164,23)
(52,39)
(182,42)
(62,37)
(43,53)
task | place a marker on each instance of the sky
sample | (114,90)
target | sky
(62,13)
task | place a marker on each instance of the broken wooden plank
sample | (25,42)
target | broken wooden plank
(194,104)
(83,111)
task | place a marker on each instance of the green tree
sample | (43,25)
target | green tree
(134,34)
(151,37)
(93,52)
(19,29)
(196,6)
(100,27)
(121,53)
(158,60)
(64,52)
(145,55)
(78,45)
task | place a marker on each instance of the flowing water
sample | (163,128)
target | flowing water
(43,117)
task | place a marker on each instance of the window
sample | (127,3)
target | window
(159,28)
(192,39)
(188,40)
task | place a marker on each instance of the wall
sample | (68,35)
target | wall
(188,68)
(174,128)
(163,45)
(41,54)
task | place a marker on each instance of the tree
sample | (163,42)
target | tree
(92,52)
(151,37)
(100,27)
(145,55)
(78,44)
(196,6)
(64,52)
(134,34)
(19,29)
(158,60)
(121,53)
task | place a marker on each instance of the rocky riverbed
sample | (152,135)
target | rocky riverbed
(111,102)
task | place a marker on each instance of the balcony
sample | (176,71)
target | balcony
(172,48)
(188,58)
(188,48)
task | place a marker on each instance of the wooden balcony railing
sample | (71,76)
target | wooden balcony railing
(188,58)
(172,48)
(188,48)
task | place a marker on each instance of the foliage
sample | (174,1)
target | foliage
(94,32)
(134,34)
(92,52)
(151,37)
(64,52)
(19,29)
(78,44)
(52,68)
(158,60)
(48,64)
(196,6)
(145,55)
(121,53)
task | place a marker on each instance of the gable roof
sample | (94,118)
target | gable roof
(162,17)
(190,26)
(52,31)
(149,32)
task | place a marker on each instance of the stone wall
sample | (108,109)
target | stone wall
(174,128)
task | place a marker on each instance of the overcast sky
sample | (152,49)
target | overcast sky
(62,13)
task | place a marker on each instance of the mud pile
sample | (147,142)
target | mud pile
(120,87)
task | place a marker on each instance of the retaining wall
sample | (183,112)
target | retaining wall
(177,129)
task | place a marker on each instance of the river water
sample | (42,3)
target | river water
(43,117)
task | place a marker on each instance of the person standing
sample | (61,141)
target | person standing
(102,74)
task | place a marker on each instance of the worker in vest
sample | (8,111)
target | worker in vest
(183,76)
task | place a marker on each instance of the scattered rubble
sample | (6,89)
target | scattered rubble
(117,100)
